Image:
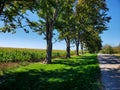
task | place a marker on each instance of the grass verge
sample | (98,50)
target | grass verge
(76,73)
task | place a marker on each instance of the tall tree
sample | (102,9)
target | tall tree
(91,14)
(65,25)
(47,11)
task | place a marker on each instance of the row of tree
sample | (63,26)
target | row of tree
(108,49)
(77,21)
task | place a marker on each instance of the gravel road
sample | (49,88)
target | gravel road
(110,71)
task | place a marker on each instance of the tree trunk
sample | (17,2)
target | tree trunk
(81,48)
(49,49)
(77,48)
(67,47)
(77,42)
(49,29)
(49,46)
(49,33)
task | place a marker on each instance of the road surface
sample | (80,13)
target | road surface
(110,71)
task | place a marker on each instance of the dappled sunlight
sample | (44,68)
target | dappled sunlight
(108,59)
(110,71)
(112,77)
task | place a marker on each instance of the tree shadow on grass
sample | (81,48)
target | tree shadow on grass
(80,78)
(78,61)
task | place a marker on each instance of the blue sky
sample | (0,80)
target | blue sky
(112,35)
(33,40)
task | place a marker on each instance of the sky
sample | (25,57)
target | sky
(112,35)
(32,40)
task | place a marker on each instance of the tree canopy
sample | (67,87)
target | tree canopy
(77,21)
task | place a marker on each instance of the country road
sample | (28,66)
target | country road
(110,71)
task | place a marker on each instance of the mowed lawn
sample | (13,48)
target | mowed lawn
(76,73)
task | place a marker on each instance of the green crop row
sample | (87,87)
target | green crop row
(20,54)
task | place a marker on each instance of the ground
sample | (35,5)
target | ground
(110,71)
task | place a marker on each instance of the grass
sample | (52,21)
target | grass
(76,73)
(4,66)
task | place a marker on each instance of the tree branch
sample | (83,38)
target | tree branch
(2,4)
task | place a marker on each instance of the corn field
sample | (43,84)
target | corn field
(32,55)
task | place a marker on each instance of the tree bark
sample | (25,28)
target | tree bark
(67,47)
(49,47)
(77,48)
(81,48)
(49,43)
(77,42)
(49,33)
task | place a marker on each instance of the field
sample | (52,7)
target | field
(14,57)
(76,73)
(31,55)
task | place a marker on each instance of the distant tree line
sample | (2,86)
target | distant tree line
(108,49)
(77,21)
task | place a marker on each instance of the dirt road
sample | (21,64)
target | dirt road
(110,71)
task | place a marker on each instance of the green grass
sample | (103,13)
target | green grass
(76,73)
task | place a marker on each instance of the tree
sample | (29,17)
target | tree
(92,19)
(93,42)
(12,13)
(47,11)
(74,19)
(116,49)
(107,49)
(2,4)
(65,25)
(77,42)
